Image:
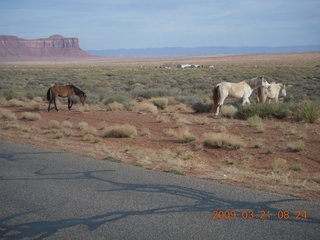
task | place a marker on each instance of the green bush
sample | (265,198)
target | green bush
(309,111)
(161,103)
(201,107)
(264,111)
(92,98)
(123,99)
(14,94)
(150,93)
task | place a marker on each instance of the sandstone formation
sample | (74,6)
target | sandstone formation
(53,47)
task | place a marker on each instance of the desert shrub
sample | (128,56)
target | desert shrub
(15,103)
(14,94)
(309,111)
(88,137)
(229,111)
(151,93)
(67,132)
(161,103)
(147,107)
(115,106)
(189,100)
(201,107)
(85,108)
(7,114)
(37,99)
(90,130)
(31,94)
(53,124)
(254,121)
(296,167)
(33,105)
(297,146)
(219,140)
(92,98)
(184,135)
(82,125)
(30,116)
(66,124)
(121,98)
(120,131)
(264,111)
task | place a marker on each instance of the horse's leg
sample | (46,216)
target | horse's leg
(55,104)
(50,101)
(69,104)
(245,100)
(220,103)
(246,96)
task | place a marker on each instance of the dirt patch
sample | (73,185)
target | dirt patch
(257,165)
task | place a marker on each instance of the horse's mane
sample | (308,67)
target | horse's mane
(253,82)
(77,91)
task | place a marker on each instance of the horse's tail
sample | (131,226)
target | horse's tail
(216,98)
(49,94)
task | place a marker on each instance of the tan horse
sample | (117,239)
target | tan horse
(64,91)
(272,93)
(237,90)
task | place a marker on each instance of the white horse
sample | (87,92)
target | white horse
(237,90)
(272,93)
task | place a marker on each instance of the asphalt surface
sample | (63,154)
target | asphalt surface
(54,195)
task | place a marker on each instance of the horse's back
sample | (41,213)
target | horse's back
(62,90)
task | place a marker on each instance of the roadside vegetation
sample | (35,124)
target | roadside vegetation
(159,118)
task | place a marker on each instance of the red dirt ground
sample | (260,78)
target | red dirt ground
(154,147)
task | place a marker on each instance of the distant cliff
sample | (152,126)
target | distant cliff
(52,47)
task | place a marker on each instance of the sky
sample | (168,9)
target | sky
(113,24)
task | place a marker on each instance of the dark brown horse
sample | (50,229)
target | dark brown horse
(64,91)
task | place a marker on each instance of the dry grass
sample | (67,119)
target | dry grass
(67,132)
(31,116)
(66,124)
(254,121)
(219,140)
(88,137)
(3,101)
(115,106)
(279,165)
(15,103)
(297,146)
(33,106)
(144,132)
(53,124)
(146,107)
(184,135)
(37,99)
(169,132)
(160,102)
(82,125)
(120,131)
(10,125)
(229,111)
(7,114)
(90,130)
(85,108)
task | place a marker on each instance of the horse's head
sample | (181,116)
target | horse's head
(283,90)
(83,98)
(264,83)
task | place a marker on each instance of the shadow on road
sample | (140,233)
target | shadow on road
(201,201)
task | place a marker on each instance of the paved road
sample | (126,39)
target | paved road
(53,195)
